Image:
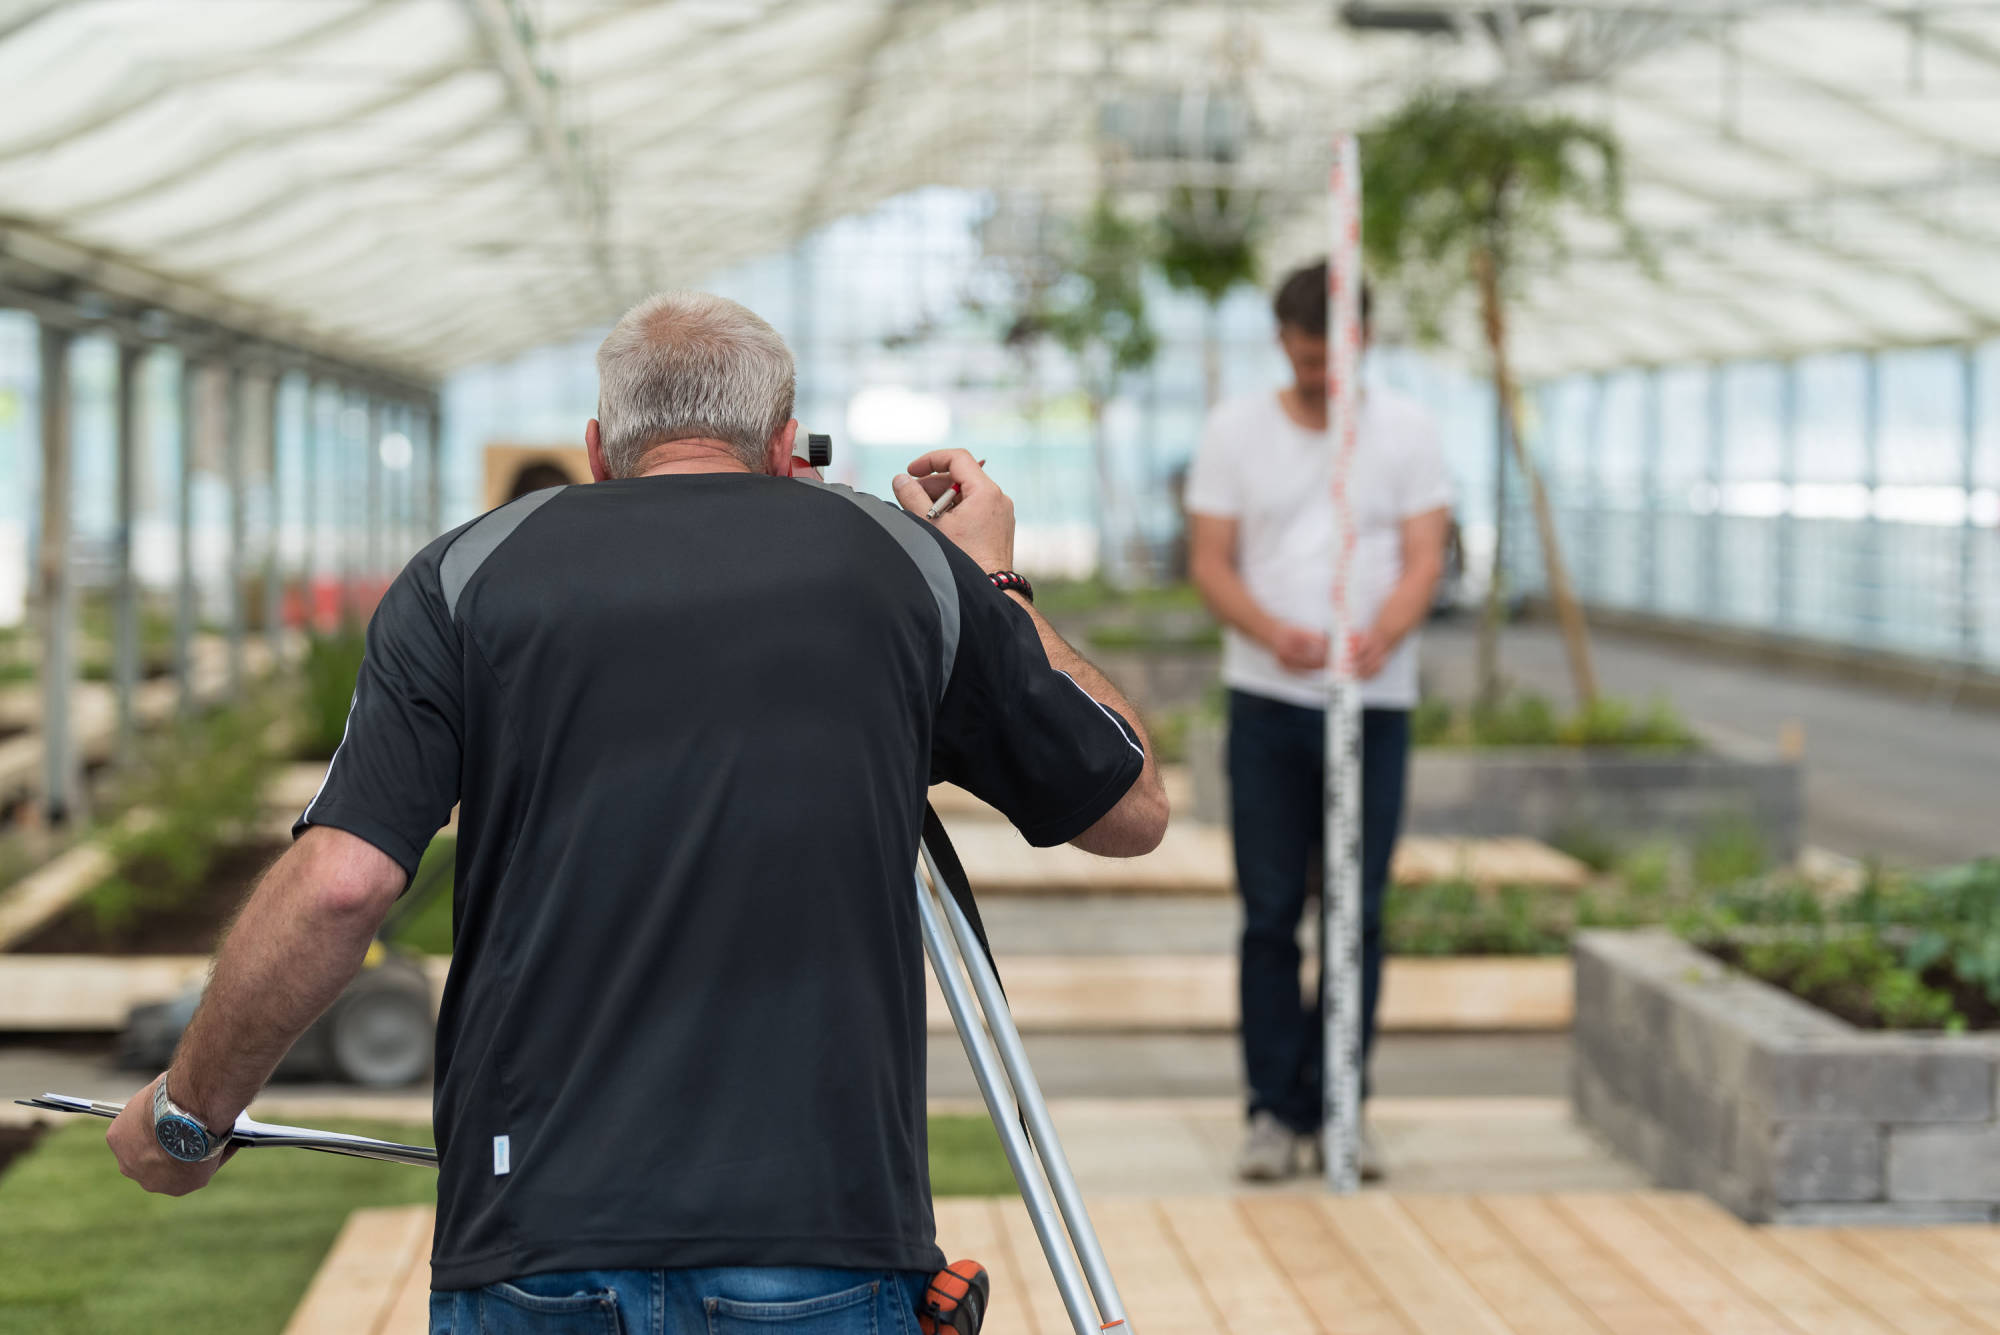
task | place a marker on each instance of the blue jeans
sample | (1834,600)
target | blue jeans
(1277,758)
(733,1300)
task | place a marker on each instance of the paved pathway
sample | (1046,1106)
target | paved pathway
(1070,1066)
(1885,774)
(1570,1263)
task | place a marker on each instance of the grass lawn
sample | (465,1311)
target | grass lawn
(83,1250)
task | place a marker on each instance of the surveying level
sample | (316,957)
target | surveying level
(1013,1098)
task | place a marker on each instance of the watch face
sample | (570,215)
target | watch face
(182,1138)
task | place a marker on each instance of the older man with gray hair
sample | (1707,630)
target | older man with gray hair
(688,715)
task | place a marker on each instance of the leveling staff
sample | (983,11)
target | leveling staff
(688,715)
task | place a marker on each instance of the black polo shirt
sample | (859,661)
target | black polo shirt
(689,722)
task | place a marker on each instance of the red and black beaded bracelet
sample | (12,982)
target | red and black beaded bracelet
(1007,581)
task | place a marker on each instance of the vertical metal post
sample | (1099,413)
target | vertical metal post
(1784,599)
(61,785)
(1649,485)
(184,591)
(1868,578)
(1968,531)
(371,453)
(1592,585)
(274,570)
(802,320)
(408,538)
(125,608)
(237,412)
(309,428)
(346,495)
(434,448)
(1503,430)
(1712,523)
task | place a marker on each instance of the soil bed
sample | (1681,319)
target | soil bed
(189,926)
(1853,1002)
(16,1141)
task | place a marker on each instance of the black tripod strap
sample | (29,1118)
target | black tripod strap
(952,872)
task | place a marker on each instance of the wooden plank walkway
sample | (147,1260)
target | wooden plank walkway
(1048,993)
(1197,860)
(1632,1263)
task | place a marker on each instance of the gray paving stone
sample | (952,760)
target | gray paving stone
(1883,1213)
(1882,1079)
(1827,1162)
(1943,1163)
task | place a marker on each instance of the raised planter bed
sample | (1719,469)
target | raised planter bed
(188,925)
(1553,792)
(1782,1112)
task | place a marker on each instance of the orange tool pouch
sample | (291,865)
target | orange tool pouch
(955,1301)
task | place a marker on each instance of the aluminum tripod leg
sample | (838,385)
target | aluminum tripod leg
(1040,1168)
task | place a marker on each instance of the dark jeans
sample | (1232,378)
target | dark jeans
(734,1300)
(1277,758)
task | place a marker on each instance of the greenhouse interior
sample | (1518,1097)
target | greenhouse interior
(1546,658)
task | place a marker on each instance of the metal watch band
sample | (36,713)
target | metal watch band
(164,1105)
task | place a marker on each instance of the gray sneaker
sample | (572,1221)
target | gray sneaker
(1269,1150)
(1370,1158)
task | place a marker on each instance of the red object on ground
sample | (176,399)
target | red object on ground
(955,1300)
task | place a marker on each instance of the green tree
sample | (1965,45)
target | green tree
(1464,189)
(1208,245)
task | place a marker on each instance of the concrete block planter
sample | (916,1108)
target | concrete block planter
(1713,1080)
(1548,792)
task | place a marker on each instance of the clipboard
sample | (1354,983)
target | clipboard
(248,1133)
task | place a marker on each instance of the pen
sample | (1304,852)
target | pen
(949,499)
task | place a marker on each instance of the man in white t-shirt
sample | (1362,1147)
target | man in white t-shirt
(1260,549)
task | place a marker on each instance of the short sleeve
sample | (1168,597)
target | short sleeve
(1019,733)
(1214,485)
(394,778)
(1425,481)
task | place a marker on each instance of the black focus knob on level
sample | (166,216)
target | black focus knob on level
(819,449)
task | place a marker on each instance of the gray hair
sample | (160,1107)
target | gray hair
(686,364)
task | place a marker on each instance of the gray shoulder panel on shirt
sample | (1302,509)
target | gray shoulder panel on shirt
(464,557)
(923,550)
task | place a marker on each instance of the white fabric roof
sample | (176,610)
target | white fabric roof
(432,183)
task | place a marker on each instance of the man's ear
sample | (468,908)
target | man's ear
(593,445)
(778,456)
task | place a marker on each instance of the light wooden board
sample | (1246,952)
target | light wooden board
(1617,1296)
(361,1278)
(1626,1263)
(1887,1295)
(1198,994)
(1711,1301)
(1518,1292)
(1343,1295)
(1047,993)
(1748,1257)
(1197,860)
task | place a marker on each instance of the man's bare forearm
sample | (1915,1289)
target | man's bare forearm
(298,942)
(1139,821)
(1095,684)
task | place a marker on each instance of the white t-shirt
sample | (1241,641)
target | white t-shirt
(1275,478)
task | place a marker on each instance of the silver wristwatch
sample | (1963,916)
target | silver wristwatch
(180,1132)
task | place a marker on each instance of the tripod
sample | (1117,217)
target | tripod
(1020,1115)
